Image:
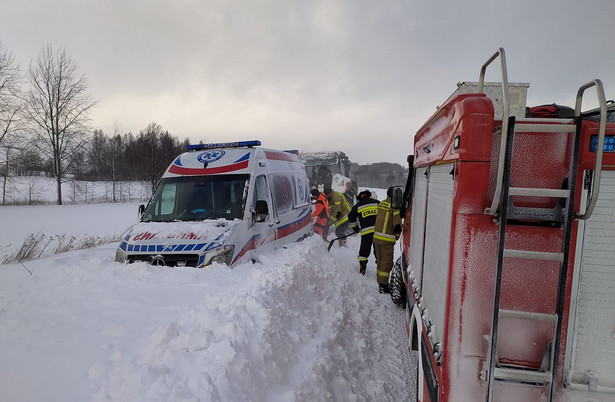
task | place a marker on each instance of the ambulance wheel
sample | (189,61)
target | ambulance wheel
(396,285)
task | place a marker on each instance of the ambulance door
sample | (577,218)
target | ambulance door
(262,234)
(283,202)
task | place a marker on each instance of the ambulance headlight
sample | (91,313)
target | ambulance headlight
(222,255)
(120,255)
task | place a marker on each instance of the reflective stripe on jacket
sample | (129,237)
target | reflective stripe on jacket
(386,220)
(363,214)
(338,203)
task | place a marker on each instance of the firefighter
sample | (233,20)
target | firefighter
(321,213)
(386,232)
(338,213)
(362,218)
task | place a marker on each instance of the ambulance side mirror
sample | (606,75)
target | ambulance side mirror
(397,200)
(261,210)
(141,210)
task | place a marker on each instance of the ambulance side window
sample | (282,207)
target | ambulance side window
(302,197)
(166,204)
(261,191)
(282,193)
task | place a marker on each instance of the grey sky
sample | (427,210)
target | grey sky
(359,76)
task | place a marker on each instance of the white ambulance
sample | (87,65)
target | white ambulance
(222,203)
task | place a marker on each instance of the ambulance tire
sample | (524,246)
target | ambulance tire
(396,285)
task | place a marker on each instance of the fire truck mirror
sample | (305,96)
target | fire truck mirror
(397,200)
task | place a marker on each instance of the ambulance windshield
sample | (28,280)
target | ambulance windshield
(197,198)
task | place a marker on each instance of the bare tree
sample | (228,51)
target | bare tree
(57,104)
(9,91)
(116,157)
(7,153)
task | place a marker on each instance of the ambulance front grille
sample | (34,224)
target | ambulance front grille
(169,260)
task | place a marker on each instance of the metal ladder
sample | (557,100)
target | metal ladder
(562,213)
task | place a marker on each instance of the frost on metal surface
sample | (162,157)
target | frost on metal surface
(594,339)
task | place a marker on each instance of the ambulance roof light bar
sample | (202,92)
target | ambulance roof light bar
(236,144)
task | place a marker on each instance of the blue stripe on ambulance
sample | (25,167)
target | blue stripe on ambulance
(299,219)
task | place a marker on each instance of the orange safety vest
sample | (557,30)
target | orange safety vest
(321,211)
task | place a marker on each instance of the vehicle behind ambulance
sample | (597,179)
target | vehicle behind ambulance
(222,203)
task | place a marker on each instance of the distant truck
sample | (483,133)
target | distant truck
(330,170)
(222,203)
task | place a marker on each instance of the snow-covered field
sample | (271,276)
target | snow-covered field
(40,189)
(61,227)
(301,325)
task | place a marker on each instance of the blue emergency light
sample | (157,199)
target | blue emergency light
(608,146)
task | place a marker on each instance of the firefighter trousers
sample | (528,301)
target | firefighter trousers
(342,230)
(366,246)
(384,261)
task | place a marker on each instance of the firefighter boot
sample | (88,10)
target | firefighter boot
(384,289)
(362,267)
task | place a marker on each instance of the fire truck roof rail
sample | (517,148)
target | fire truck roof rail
(505,114)
(593,198)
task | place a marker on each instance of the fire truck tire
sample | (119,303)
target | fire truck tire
(396,285)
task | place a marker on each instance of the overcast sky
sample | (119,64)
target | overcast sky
(360,76)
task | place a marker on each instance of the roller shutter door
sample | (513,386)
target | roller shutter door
(594,324)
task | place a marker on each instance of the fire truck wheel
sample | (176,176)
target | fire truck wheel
(396,285)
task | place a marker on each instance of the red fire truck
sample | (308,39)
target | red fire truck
(508,250)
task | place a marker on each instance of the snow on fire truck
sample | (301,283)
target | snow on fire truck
(508,249)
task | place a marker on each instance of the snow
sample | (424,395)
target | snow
(57,225)
(300,325)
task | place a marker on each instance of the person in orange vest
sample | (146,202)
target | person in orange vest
(321,213)
(386,232)
(338,213)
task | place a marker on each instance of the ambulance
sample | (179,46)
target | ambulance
(222,203)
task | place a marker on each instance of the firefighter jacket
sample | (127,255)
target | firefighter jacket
(338,208)
(321,211)
(387,220)
(364,214)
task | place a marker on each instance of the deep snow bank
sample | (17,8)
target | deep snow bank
(302,325)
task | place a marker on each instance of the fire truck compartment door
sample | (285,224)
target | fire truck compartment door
(419,209)
(593,313)
(436,258)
